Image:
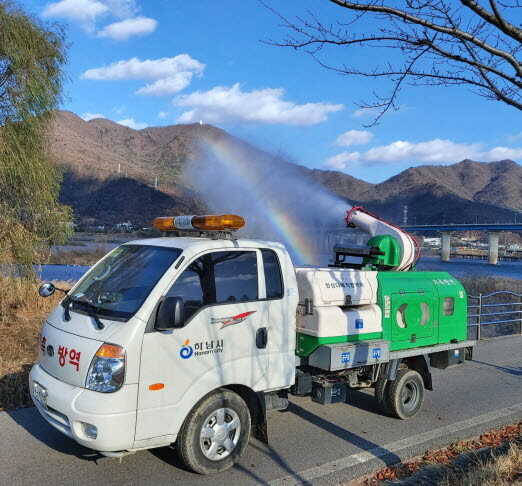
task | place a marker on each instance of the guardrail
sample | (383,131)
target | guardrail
(483,311)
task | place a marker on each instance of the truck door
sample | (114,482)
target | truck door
(223,341)
(413,315)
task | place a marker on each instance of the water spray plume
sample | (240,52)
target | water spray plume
(277,199)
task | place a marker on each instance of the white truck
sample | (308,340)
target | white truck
(191,340)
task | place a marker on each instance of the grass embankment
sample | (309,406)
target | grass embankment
(22,312)
(77,256)
(488,285)
(492,459)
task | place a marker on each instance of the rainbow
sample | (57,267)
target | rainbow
(282,221)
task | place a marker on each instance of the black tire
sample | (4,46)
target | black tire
(210,455)
(381,394)
(405,394)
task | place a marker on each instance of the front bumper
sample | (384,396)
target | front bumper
(68,406)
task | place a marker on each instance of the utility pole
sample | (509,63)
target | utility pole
(119,168)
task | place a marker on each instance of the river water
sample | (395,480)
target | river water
(457,267)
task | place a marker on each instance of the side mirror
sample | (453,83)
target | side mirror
(46,290)
(170,315)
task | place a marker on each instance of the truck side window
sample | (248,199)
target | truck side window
(273,280)
(219,277)
(449,306)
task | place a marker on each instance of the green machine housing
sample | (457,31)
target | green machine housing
(417,308)
(421,308)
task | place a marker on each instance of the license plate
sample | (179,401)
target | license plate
(39,393)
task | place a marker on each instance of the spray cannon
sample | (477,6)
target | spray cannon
(389,248)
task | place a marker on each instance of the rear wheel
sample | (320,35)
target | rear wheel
(215,433)
(405,394)
(381,394)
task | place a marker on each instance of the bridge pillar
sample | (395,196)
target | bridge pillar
(446,245)
(493,247)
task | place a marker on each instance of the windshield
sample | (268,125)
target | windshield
(118,286)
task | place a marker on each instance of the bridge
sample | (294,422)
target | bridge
(493,230)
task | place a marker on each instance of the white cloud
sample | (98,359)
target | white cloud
(354,137)
(83,11)
(162,115)
(262,106)
(122,8)
(171,74)
(341,161)
(365,112)
(91,116)
(87,12)
(132,123)
(165,86)
(126,28)
(148,69)
(435,151)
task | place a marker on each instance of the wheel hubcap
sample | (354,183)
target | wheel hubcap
(220,434)
(409,396)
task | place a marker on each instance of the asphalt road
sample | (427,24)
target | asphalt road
(309,443)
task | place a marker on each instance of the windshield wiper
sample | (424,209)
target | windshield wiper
(91,310)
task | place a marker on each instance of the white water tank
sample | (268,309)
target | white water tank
(336,321)
(336,287)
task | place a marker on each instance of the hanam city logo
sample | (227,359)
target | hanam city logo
(186,351)
(230,321)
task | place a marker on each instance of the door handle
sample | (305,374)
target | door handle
(262,337)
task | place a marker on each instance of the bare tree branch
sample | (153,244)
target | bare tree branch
(442,42)
(495,19)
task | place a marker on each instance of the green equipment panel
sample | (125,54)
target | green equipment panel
(412,316)
(421,308)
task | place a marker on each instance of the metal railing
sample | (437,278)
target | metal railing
(482,311)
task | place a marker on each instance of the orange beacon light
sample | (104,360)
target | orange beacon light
(200,223)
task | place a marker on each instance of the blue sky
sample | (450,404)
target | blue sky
(163,62)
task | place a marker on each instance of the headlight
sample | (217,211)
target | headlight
(107,371)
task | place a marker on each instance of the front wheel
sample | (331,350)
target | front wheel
(215,433)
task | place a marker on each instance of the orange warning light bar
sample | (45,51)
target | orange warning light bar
(200,223)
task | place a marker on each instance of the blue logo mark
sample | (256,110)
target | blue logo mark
(359,323)
(345,357)
(377,353)
(186,351)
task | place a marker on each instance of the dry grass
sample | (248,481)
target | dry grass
(491,459)
(505,470)
(487,285)
(22,312)
(19,299)
(78,256)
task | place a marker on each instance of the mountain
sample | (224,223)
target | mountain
(110,172)
(466,191)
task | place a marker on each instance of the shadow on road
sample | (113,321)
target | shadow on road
(34,424)
(506,369)
(169,456)
(389,458)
